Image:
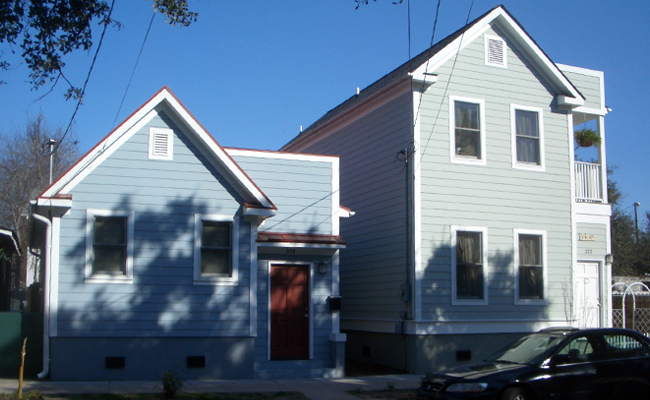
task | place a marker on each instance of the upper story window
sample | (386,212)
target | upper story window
(530,267)
(527,137)
(495,52)
(161,144)
(215,249)
(109,246)
(467,130)
(469,265)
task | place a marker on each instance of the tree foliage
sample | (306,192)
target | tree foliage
(631,258)
(25,169)
(47,30)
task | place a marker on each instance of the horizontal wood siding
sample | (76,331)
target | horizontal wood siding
(592,249)
(589,86)
(164,196)
(495,196)
(301,189)
(372,182)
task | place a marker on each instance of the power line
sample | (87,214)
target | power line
(444,94)
(92,65)
(134,68)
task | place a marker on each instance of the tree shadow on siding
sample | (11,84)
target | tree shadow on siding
(490,326)
(162,304)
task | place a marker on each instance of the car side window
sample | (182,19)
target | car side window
(620,346)
(576,351)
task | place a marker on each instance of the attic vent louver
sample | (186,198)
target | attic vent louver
(160,144)
(495,52)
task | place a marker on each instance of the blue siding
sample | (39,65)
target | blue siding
(164,196)
(301,189)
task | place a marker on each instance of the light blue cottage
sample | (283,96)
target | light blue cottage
(163,251)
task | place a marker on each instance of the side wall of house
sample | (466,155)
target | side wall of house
(372,182)
(162,306)
(302,189)
(496,196)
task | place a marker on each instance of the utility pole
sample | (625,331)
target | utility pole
(636,220)
(51,143)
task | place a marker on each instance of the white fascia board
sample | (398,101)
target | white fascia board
(218,151)
(103,149)
(301,245)
(543,62)
(462,327)
(259,212)
(53,202)
(593,210)
(280,155)
(345,213)
(520,37)
(428,68)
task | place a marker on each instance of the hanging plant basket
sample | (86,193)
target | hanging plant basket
(586,137)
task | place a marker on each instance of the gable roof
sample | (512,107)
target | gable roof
(421,68)
(255,201)
(9,241)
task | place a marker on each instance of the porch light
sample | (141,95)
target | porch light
(322,268)
(609,259)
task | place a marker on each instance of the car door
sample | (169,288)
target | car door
(624,371)
(573,374)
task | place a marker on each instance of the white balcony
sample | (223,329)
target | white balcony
(589,184)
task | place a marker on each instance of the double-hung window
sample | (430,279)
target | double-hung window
(467,130)
(109,246)
(530,267)
(215,249)
(527,137)
(469,265)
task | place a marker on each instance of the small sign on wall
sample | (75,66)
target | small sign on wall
(587,237)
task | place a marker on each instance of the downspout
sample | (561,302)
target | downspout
(46,295)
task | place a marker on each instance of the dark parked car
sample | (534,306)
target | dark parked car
(553,364)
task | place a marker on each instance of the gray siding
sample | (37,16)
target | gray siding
(589,86)
(301,189)
(592,250)
(495,195)
(164,196)
(373,264)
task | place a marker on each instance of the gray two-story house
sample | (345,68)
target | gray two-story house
(474,222)
(163,251)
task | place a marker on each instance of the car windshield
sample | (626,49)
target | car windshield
(530,349)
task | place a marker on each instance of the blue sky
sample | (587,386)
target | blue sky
(254,72)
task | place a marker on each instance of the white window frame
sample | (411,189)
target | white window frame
(542,233)
(513,129)
(198,238)
(484,246)
(504,52)
(169,134)
(452,131)
(92,277)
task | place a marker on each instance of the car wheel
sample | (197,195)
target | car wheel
(515,393)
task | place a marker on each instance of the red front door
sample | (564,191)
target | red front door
(289,312)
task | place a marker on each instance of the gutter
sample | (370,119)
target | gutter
(46,296)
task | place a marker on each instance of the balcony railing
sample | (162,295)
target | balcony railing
(588,182)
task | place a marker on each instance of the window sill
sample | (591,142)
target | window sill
(528,166)
(531,302)
(212,281)
(108,279)
(468,160)
(469,302)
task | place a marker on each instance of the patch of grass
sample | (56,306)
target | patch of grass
(388,394)
(188,396)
